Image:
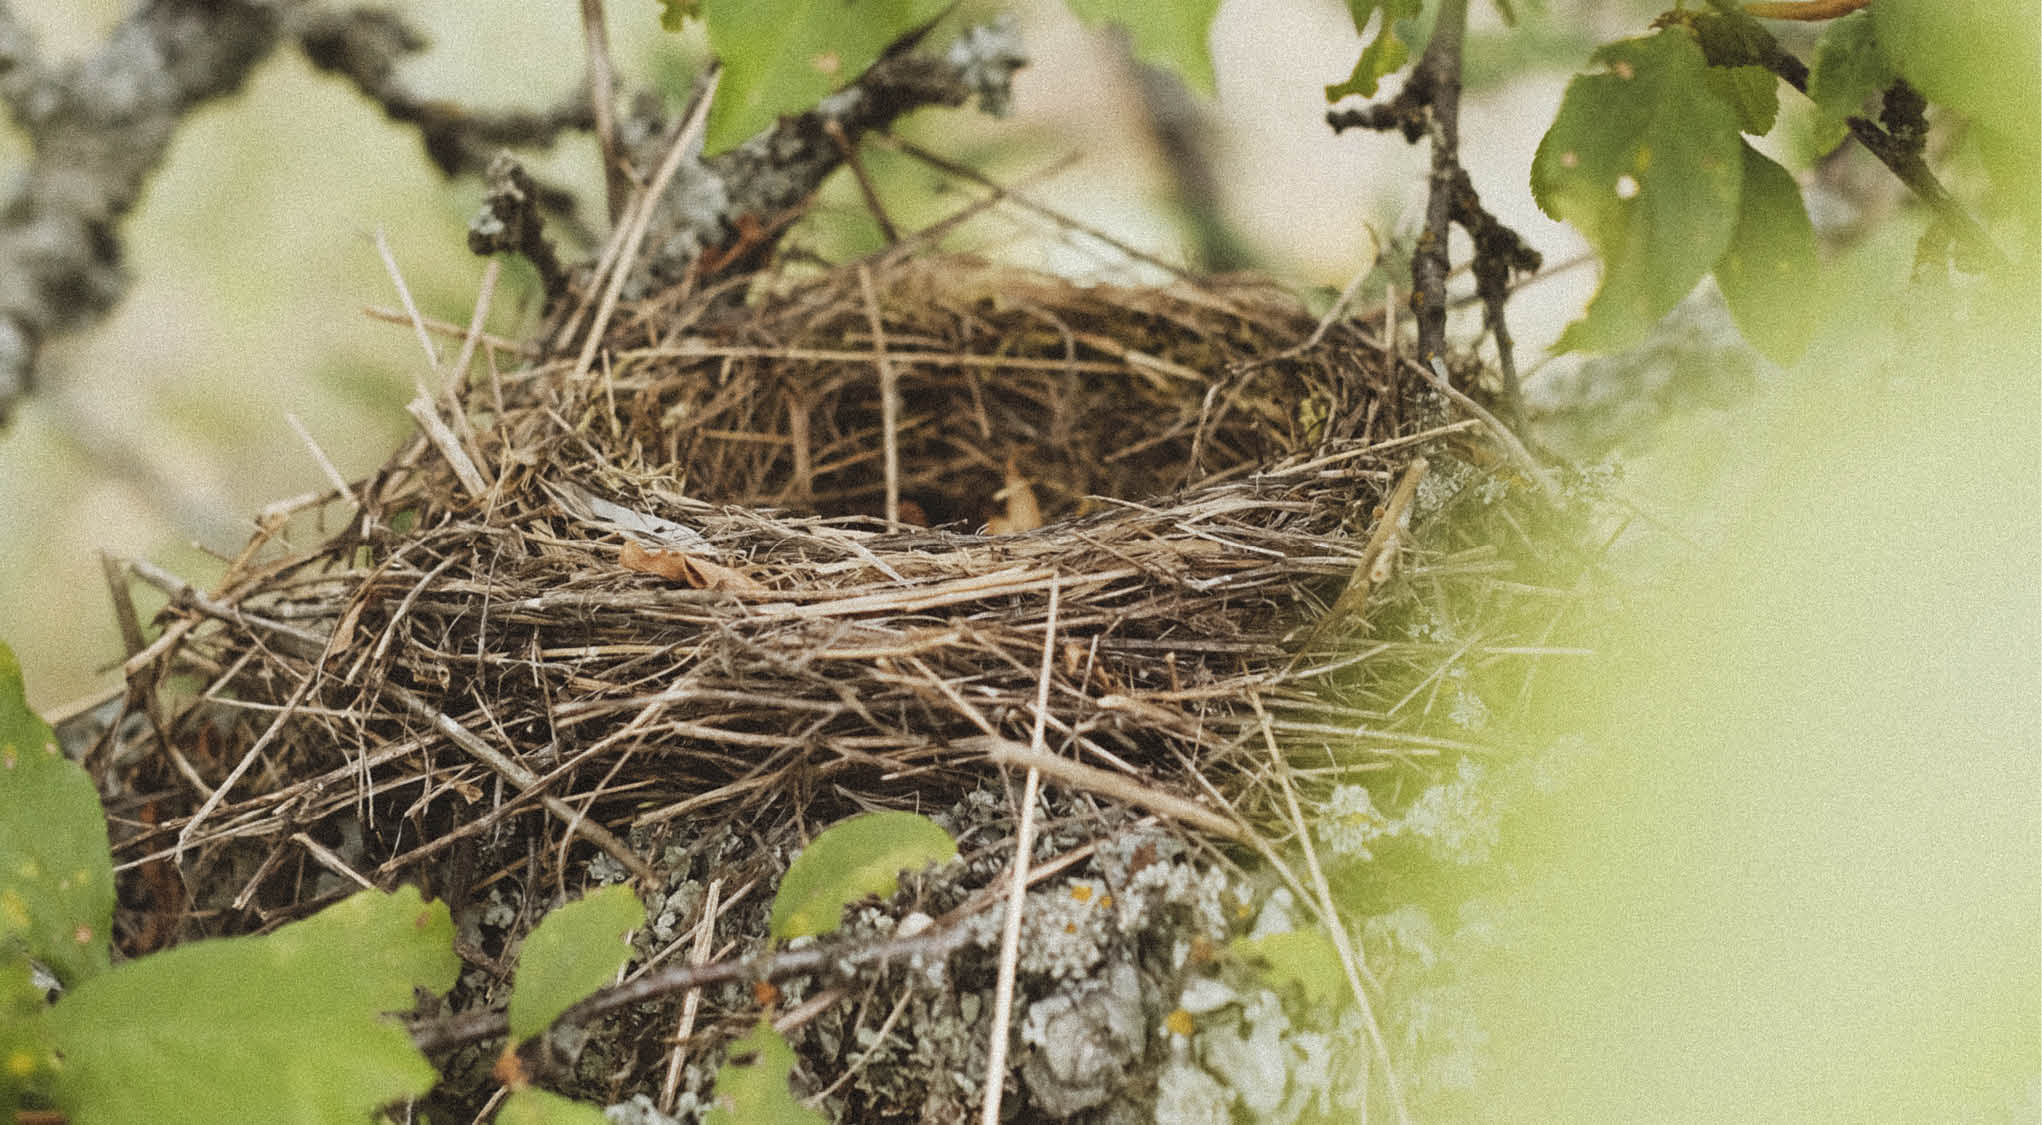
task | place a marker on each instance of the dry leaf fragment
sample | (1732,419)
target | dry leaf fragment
(1023,513)
(679,566)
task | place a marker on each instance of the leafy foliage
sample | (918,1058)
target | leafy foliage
(751,1086)
(570,954)
(56,873)
(1848,69)
(27,1059)
(1978,57)
(290,1026)
(784,55)
(850,860)
(1766,274)
(1385,54)
(532,1106)
(1644,159)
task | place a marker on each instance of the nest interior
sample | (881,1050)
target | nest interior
(662,605)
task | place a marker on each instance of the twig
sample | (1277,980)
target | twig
(1003,192)
(1017,888)
(934,944)
(1092,779)
(887,230)
(509,221)
(889,400)
(705,935)
(1436,376)
(686,143)
(524,779)
(1429,265)
(1736,39)
(1350,961)
(99,126)
(602,96)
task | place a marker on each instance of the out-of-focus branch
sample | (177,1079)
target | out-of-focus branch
(364,46)
(99,126)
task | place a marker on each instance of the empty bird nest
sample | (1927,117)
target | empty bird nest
(706,583)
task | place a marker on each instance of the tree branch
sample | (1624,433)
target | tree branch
(1896,140)
(1429,106)
(726,211)
(99,126)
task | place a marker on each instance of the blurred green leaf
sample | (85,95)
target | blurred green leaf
(751,1085)
(1848,68)
(674,14)
(1753,91)
(853,858)
(1979,57)
(1306,960)
(532,1106)
(783,56)
(1643,158)
(1385,54)
(1173,34)
(26,1059)
(572,952)
(290,1026)
(1770,275)
(56,872)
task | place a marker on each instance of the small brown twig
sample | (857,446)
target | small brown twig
(602,97)
(856,164)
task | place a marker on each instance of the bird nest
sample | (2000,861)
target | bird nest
(609,612)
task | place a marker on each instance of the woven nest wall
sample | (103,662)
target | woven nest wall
(626,615)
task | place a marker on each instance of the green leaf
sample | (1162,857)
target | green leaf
(783,56)
(56,871)
(850,860)
(751,1085)
(290,1026)
(1770,274)
(1753,91)
(1978,57)
(1643,159)
(533,1106)
(675,14)
(1175,35)
(1849,67)
(1385,54)
(26,1059)
(1306,960)
(572,952)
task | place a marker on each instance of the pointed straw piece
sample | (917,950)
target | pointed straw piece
(687,141)
(320,458)
(1024,846)
(1350,962)
(889,400)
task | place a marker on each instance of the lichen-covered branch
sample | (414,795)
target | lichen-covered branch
(727,210)
(99,126)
